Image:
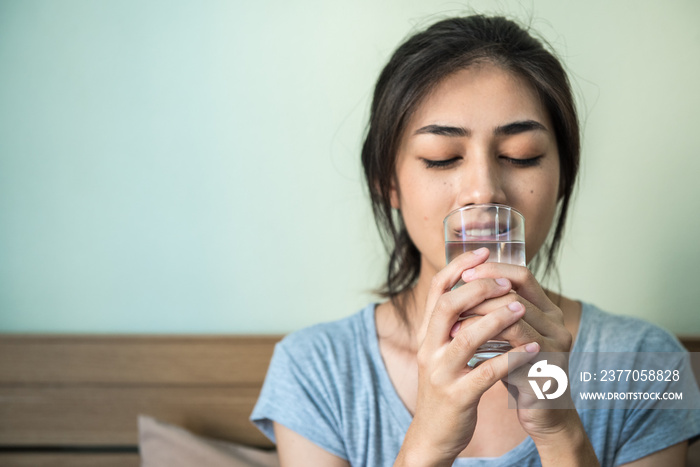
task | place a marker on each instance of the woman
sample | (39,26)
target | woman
(472,110)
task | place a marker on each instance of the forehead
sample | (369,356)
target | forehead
(480,97)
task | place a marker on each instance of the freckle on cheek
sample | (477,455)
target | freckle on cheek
(532,191)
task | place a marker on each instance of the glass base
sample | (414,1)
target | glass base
(489,350)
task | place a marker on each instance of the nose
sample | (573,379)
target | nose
(482,182)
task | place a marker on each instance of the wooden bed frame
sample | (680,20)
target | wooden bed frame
(74,400)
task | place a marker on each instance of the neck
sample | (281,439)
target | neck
(413,302)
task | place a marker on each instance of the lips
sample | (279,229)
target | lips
(477,233)
(482,232)
(483,223)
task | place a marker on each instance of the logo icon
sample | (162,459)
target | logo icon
(542,369)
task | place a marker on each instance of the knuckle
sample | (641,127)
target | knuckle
(466,259)
(506,317)
(443,305)
(514,329)
(558,315)
(483,286)
(511,335)
(485,374)
(464,342)
(437,282)
(532,334)
(436,380)
(511,329)
(566,339)
(511,298)
(526,275)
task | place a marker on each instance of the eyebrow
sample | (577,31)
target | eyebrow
(443,130)
(513,128)
(519,127)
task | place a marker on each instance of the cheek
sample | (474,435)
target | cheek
(423,207)
(534,193)
(418,212)
(542,207)
(427,199)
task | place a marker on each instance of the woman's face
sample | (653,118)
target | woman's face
(481,136)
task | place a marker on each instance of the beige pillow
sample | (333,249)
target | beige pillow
(165,445)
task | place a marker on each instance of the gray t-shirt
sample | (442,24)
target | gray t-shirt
(329,384)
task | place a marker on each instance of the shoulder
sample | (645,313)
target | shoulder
(327,353)
(630,427)
(313,377)
(330,339)
(601,331)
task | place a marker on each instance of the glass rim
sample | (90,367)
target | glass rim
(482,205)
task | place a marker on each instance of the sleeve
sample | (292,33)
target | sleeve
(649,430)
(297,394)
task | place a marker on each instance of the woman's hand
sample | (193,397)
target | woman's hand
(448,390)
(554,425)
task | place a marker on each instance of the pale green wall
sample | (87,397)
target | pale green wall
(187,166)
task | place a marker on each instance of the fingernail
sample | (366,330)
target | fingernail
(481,251)
(532,347)
(455,328)
(502,282)
(466,275)
(515,307)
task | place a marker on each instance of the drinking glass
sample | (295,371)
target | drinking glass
(497,227)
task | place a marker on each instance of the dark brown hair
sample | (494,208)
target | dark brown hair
(415,68)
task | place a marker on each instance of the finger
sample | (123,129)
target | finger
(524,282)
(448,277)
(518,333)
(487,306)
(546,328)
(535,324)
(451,304)
(470,338)
(491,371)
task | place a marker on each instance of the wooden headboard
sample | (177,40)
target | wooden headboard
(73,400)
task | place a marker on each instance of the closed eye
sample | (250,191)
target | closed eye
(440,164)
(530,162)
